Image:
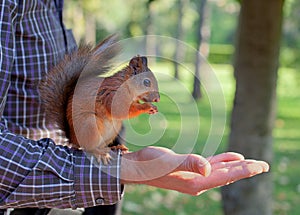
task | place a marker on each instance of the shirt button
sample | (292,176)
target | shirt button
(100,201)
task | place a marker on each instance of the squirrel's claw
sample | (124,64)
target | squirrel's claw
(104,158)
(102,155)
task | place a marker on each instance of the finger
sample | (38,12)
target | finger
(234,171)
(224,157)
(226,173)
(169,161)
(194,163)
(231,164)
(245,170)
(264,165)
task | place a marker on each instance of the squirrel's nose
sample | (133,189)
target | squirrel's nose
(150,97)
(156,100)
(156,97)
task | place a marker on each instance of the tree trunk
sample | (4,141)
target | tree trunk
(150,41)
(255,69)
(203,34)
(179,50)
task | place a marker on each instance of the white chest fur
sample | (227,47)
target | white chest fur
(111,129)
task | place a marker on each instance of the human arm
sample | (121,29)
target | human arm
(190,174)
(42,174)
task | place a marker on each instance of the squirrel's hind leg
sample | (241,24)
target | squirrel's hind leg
(102,154)
(121,147)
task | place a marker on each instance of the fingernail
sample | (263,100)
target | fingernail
(266,167)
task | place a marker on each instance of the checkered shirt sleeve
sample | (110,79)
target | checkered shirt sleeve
(43,174)
(35,171)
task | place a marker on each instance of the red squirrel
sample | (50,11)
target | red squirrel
(90,108)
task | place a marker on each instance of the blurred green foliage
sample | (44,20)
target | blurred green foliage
(130,18)
(221,53)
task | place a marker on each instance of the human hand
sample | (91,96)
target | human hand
(190,174)
(226,168)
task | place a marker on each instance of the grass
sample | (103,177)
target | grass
(287,138)
(186,126)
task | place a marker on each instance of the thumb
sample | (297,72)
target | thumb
(194,163)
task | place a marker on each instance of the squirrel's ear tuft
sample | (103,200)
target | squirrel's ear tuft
(138,63)
(144,61)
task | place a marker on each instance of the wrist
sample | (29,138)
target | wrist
(147,164)
(126,169)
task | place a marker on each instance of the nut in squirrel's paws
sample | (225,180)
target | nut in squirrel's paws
(144,102)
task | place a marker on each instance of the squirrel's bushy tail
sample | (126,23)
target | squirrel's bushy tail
(60,82)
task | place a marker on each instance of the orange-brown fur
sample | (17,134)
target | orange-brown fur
(89,108)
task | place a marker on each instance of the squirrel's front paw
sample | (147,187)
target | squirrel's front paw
(149,108)
(152,109)
(137,109)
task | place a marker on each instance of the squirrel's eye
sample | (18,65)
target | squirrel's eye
(147,82)
(134,72)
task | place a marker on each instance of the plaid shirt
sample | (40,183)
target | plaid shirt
(34,171)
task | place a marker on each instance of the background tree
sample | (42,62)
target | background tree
(202,44)
(149,28)
(290,54)
(179,51)
(255,69)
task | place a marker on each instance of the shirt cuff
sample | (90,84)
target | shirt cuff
(96,184)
